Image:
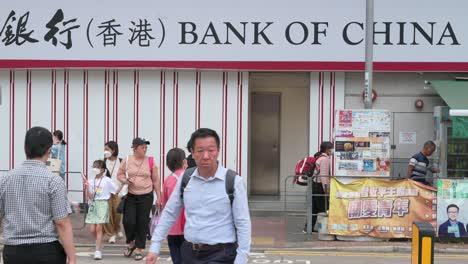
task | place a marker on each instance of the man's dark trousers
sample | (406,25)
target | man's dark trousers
(48,253)
(226,254)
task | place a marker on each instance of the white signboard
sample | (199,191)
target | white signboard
(408,138)
(305,34)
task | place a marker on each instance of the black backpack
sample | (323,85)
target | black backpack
(230,180)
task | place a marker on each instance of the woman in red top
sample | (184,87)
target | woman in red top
(177,163)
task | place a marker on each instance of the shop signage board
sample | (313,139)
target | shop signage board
(244,34)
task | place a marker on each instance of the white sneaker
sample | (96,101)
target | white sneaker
(120,235)
(112,240)
(98,255)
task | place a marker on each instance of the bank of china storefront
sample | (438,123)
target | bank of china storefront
(265,79)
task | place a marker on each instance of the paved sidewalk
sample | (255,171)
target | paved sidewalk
(277,231)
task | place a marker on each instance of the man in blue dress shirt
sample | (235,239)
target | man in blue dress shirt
(215,231)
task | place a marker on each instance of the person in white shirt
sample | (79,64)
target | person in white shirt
(113,229)
(98,191)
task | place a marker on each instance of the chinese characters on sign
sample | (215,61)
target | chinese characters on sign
(362,143)
(379,208)
(452,215)
(60,30)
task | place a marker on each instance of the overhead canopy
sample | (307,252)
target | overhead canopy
(454,93)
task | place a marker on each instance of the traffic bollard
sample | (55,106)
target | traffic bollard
(422,245)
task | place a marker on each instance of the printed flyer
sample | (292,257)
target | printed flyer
(362,143)
(452,208)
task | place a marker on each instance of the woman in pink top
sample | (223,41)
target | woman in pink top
(177,163)
(321,183)
(141,175)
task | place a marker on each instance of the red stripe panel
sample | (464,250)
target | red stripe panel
(66,87)
(242,65)
(225,117)
(12,119)
(240,134)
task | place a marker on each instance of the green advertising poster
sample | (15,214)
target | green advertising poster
(452,208)
(460,127)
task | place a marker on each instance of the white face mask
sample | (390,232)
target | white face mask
(107,154)
(96,171)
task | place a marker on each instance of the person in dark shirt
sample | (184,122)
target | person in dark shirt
(419,164)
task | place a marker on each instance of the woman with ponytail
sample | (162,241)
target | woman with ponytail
(58,150)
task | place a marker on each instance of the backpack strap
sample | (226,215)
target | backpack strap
(185,180)
(151,164)
(230,181)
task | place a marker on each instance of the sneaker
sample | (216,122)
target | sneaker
(120,235)
(97,255)
(112,240)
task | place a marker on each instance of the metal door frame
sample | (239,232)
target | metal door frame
(251,94)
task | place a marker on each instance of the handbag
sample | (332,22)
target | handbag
(54,164)
(124,190)
(123,193)
(154,221)
(121,207)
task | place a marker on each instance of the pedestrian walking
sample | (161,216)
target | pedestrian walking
(34,208)
(419,164)
(98,190)
(218,226)
(58,151)
(176,162)
(321,181)
(142,177)
(113,229)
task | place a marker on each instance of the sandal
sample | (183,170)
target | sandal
(138,256)
(129,251)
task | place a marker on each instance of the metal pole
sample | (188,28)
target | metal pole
(369,54)
(309,206)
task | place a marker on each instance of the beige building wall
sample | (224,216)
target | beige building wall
(294,134)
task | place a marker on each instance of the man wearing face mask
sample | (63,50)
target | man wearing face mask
(113,229)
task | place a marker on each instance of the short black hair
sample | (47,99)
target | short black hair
(37,142)
(100,164)
(453,206)
(114,147)
(204,133)
(189,146)
(429,143)
(175,159)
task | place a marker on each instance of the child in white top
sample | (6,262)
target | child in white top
(98,191)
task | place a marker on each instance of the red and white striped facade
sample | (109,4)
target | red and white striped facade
(163,106)
(94,106)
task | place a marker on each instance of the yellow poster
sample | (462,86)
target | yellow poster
(380,208)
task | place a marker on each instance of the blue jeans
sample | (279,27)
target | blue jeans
(175,245)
